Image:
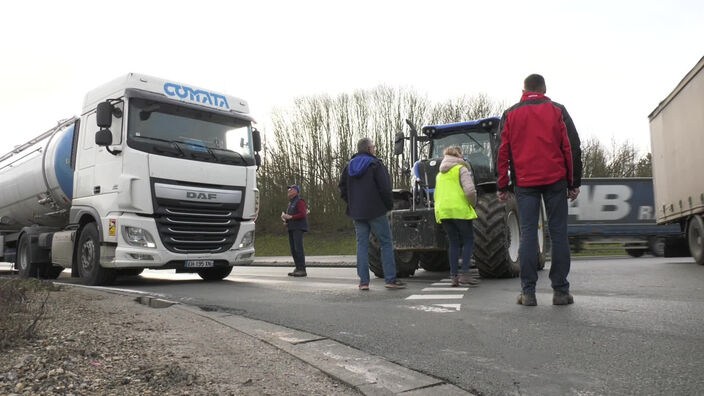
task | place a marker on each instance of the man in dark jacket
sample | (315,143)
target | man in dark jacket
(540,147)
(366,187)
(296,218)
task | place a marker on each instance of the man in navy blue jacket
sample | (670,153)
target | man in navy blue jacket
(366,187)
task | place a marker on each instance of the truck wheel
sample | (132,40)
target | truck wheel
(695,238)
(214,274)
(92,273)
(635,252)
(23,262)
(657,247)
(496,237)
(434,261)
(543,242)
(406,260)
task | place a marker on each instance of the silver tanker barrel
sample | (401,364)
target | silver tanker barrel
(36,180)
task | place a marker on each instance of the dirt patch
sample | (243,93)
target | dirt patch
(94,343)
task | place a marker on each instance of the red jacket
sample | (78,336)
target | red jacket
(535,144)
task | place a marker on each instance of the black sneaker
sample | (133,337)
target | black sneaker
(298,273)
(397,284)
(528,300)
(562,298)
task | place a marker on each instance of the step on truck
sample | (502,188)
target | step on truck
(418,240)
(153,174)
(677,139)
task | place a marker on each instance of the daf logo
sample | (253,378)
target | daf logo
(200,195)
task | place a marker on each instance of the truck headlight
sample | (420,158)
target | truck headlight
(247,240)
(136,236)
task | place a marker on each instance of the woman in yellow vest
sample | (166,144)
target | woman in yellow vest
(455,197)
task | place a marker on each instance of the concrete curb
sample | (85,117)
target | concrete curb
(367,373)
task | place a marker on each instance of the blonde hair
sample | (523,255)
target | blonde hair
(454,151)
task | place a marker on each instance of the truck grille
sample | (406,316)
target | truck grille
(189,226)
(196,230)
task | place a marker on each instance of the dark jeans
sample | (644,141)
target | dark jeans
(295,241)
(460,233)
(555,198)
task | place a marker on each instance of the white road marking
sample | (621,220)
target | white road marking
(456,307)
(450,289)
(434,297)
(441,284)
(436,308)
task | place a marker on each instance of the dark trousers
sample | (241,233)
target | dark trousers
(555,198)
(295,241)
(460,234)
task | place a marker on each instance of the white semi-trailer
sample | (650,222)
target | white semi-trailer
(153,174)
(677,137)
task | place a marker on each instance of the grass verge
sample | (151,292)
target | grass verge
(314,244)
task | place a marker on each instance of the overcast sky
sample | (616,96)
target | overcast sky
(609,62)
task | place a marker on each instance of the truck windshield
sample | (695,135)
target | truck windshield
(172,130)
(476,148)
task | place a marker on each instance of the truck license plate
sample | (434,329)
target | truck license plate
(200,263)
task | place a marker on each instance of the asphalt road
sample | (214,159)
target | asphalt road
(636,326)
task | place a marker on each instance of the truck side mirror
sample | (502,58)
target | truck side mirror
(103,137)
(257,140)
(103,115)
(398,143)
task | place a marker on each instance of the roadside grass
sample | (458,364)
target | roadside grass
(22,306)
(314,244)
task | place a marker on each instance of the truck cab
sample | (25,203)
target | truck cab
(162,175)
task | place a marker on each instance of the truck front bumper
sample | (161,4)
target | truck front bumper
(159,257)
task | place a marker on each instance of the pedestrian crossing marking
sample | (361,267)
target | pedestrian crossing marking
(441,284)
(434,297)
(450,289)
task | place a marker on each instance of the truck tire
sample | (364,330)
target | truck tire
(543,241)
(496,237)
(406,260)
(657,246)
(434,261)
(214,274)
(92,273)
(695,238)
(23,262)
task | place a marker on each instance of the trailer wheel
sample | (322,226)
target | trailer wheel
(406,260)
(23,261)
(92,273)
(214,274)
(434,261)
(496,237)
(695,238)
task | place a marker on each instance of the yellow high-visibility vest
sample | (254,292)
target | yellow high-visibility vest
(450,201)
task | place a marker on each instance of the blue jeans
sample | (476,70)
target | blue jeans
(295,242)
(555,198)
(382,230)
(460,233)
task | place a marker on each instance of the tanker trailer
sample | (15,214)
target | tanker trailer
(153,174)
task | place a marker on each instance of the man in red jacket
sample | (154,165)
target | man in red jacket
(540,151)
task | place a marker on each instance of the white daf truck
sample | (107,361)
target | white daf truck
(153,174)
(677,138)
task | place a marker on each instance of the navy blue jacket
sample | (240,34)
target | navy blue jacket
(298,209)
(366,187)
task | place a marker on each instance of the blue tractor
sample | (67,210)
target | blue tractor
(419,241)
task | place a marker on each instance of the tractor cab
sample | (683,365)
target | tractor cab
(477,139)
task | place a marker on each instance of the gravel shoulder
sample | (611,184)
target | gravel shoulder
(91,342)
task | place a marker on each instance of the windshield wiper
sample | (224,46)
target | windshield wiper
(474,140)
(239,155)
(172,143)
